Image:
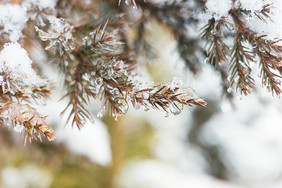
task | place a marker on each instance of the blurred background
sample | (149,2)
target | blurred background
(231,143)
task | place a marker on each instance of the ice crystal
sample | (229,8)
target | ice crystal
(101,41)
(175,84)
(170,97)
(39,10)
(26,120)
(59,35)
(140,83)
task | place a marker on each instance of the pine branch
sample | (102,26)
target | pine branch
(269,53)
(38,13)
(16,111)
(93,70)
(170,99)
(77,89)
(217,50)
(270,64)
(239,67)
(25,120)
(263,14)
(117,90)
(59,36)
(98,43)
(101,42)
(20,88)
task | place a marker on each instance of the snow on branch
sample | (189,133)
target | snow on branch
(248,44)
(20,88)
(97,50)
(94,70)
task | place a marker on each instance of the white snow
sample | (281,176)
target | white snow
(29,175)
(272,27)
(59,25)
(12,19)
(253,5)
(15,61)
(41,4)
(250,141)
(15,58)
(175,83)
(156,174)
(218,8)
(91,141)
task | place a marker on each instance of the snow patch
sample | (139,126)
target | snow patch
(15,62)
(218,8)
(12,19)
